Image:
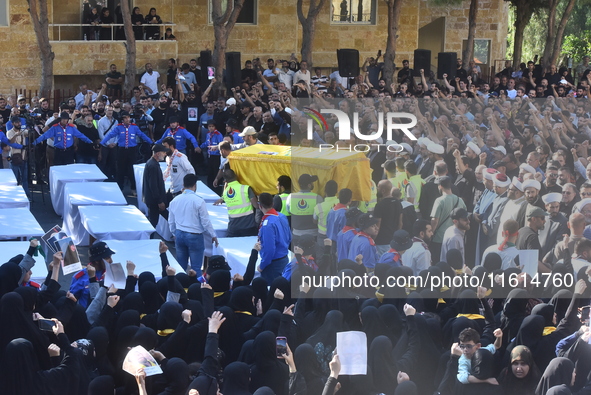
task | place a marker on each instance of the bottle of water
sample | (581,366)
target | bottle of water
(85,39)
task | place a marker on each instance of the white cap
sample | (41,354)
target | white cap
(474,147)
(435,148)
(553,197)
(517,183)
(532,184)
(380,140)
(582,204)
(248,131)
(424,141)
(230,101)
(489,174)
(501,180)
(406,147)
(500,148)
(527,168)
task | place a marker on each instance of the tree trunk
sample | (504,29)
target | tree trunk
(557,47)
(394,7)
(130,49)
(218,56)
(309,27)
(468,54)
(523,14)
(38,12)
(550,37)
(222,27)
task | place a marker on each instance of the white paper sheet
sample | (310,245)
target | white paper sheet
(71,262)
(352,350)
(529,260)
(115,275)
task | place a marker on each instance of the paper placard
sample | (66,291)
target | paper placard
(71,262)
(138,358)
(352,350)
(115,275)
(529,260)
(49,239)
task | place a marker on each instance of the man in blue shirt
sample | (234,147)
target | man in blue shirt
(180,134)
(363,243)
(63,134)
(275,238)
(213,138)
(127,141)
(336,219)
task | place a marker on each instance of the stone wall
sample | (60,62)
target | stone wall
(277,34)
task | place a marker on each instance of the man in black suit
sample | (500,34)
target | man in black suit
(154,193)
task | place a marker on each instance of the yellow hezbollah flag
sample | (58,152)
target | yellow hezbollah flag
(260,165)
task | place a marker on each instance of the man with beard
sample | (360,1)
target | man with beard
(570,197)
(454,236)
(406,73)
(482,211)
(493,223)
(159,116)
(516,199)
(418,257)
(557,223)
(256,120)
(531,190)
(528,238)
(473,152)
(441,213)
(550,184)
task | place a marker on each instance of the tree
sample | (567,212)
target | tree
(468,53)
(524,9)
(130,50)
(223,23)
(555,33)
(309,26)
(38,12)
(394,7)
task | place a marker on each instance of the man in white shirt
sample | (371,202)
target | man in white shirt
(150,80)
(189,222)
(302,73)
(79,98)
(418,257)
(177,167)
(108,155)
(286,75)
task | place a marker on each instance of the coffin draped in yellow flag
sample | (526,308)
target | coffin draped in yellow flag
(260,165)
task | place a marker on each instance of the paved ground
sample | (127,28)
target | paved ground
(42,209)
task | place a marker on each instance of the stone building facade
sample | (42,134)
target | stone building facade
(277,33)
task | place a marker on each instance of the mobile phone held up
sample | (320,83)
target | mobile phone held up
(46,325)
(210,73)
(281,345)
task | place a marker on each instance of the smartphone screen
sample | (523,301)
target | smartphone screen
(211,73)
(46,325)
(281,345)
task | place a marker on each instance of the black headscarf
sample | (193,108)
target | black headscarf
(561,301)
(194,292)
(406,388)
(529,335)
(267,369)
(307,365)
(145,277)
(383,368)
(169,316)
(284,286)
(100,338)
(327,333)
(220,284)
(559,371)
(132,301)
(513,385)
(127,318)
(145,337)
(247,352)
(513,313)
(29,295)
(17,323)
(151,296)
(102,385)
(260,290)
(393,321)
(236,379)
(546,311)
(10,274)
(230,335)
(176,373)
(373,325)
(321,304)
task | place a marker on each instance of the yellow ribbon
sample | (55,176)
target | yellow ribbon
(165,332)
(243,312)
(459,271)
(471,316)
(440,301)
(142,316)
(380,296)
(548,330)
(216,294)
(186,290)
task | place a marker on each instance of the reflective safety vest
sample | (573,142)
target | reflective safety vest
(236,198)
(366,207)
(322,210)
(284,210)
(418,183)
(400,181)
(302,203)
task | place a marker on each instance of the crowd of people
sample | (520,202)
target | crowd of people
(496,170)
